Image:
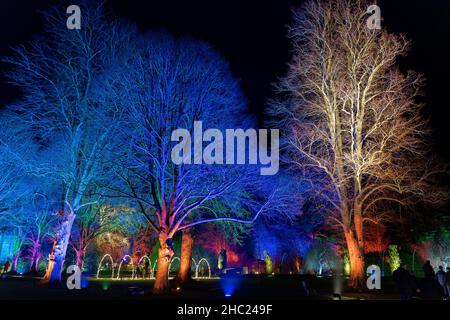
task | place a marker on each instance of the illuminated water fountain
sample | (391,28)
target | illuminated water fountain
(151,275)
(198,265)
(120,266)
(100,265)
(173,259)
(143,273)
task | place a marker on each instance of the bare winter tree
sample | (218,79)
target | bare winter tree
(64,112)
(168,84)
(10,163)
(13,190)
(353,125)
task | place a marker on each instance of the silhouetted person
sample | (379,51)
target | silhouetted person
(447,282)
(431,289)
(440,277)
(428,269)
(405,282)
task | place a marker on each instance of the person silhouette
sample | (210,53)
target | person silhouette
(428,269)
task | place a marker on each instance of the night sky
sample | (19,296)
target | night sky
(252,36)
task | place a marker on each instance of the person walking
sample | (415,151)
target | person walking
(405,282)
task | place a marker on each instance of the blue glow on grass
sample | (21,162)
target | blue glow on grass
(229,285)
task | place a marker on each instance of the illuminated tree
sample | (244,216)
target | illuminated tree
(435,246)
(223,239)
(25,202)
(168,84)
(41,229)
(322,257)
(394,257)
(287,243)
(142,244)
(114,243)
(222,260)
(375,238)
(15,225)
(353,126)
(93,221)
(184,272)
(221,235)
(268,262)
(346,263)
(64,111)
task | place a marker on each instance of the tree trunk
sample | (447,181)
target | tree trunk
(58,254)
(184,273)
(34,264)
(34,256)
(356,260)
(15,262)
(165,254)
(358,221)
(81,253)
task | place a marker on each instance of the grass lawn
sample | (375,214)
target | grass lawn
(278,287)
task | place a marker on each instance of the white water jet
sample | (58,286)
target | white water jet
(120,266)
(143,273)
(198,265)
(100,265)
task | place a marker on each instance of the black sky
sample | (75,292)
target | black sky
(252,36)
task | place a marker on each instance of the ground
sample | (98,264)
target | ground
(278,287)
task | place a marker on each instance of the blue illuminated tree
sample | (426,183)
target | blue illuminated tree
(168,84)
(37,212)
(65,112)
(10,162)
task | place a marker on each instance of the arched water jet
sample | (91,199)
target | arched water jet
(152,276)
(143,273)
(100,265)
(120,266)
(198,265)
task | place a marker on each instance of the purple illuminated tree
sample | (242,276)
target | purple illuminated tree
(39,210)
(92,222)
